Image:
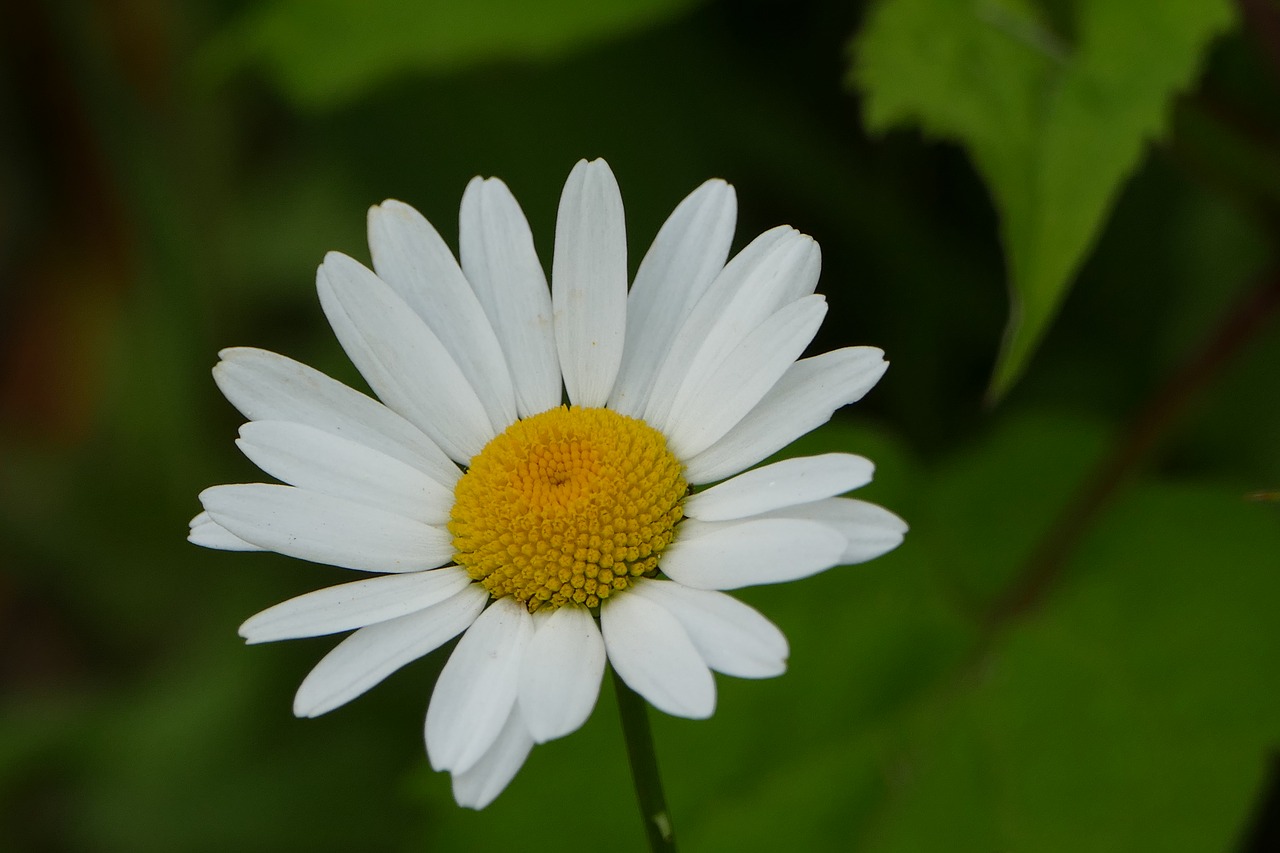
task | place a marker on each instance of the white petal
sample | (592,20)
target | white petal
(782,484)
(732,637)
(207,533)
(410,255)
(561,672)
(802,400)
(487,778)
(354,605)
(778,267)
(589,283)
(325,529)
(685,257)
(477,688)
(703,413)
(870,530)
(729,555)
(656,658)
(402,359)
(499,260)
(371,654)
(265,386)
(321,462)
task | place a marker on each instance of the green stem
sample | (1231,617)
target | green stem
(644,768)
(1249,317)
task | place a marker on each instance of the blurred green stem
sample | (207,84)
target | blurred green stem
(1250,315)
(644,768)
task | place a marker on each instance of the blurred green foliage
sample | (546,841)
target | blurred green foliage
(1055,110)
(176,175)
(326,52)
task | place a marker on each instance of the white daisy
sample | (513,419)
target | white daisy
(553,537)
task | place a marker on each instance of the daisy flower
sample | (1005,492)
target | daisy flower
(533,476)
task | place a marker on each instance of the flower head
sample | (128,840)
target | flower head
(533,476)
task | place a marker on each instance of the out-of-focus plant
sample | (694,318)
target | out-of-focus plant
(1074,650)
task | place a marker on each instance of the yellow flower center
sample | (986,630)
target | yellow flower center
(567,506)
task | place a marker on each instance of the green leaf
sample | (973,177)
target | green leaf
(1134,712)
(1055,122)
(989,505)
(322,53)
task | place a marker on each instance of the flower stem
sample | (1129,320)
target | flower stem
(644,768)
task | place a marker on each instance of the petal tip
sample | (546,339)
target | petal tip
(393,207)
(228,355)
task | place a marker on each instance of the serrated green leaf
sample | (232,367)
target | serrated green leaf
(322,53)
(1054,124)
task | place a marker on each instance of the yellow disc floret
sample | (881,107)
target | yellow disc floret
(567,506)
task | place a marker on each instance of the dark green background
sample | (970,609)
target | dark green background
(172,174)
